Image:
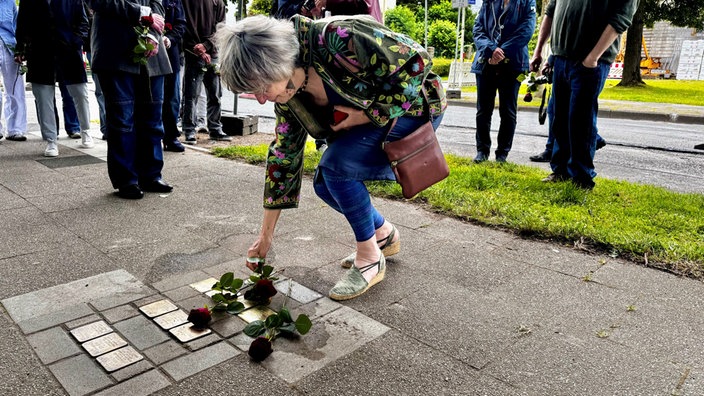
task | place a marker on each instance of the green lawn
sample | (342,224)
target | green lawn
(658,91)
(641,223)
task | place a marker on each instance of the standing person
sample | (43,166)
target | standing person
(71,123)
(378,78)
(15,109)
(201,55)
(134,92)
(584,41)
(175,25)
(502,30)
(98,91)
(50,36)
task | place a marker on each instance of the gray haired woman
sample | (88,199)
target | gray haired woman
(344,79)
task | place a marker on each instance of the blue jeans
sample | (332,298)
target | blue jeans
(133,113)
(172,103)
(100,98)
(576,91)
(503,80)
(193,77)
(71,124)
(551,116)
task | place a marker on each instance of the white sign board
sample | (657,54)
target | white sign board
(462,3)
(691,59)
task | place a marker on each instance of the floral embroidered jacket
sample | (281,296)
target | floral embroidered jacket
(370,66)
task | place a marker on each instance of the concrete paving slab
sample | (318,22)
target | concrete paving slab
(80,375)
(198,361)
(119,313)
(12,200)
(52,345)
(54,318)
(25,239)
(132,371)
(141,332)
(164,352)
(143,385)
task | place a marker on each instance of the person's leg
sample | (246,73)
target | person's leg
(561,92)
(508,86)
(101,106)
(149,130)
(79,93)
(15,106)
(44,99)
(586,84)
(172,102)
(119,92)
(201,105)
(192,78)
(71,123)
(214,94)
(486,96)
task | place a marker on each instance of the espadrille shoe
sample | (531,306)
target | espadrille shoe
(353,283)
(388,248)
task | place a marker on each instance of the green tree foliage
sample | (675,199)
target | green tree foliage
(259,7)
(403,20)
(442,35)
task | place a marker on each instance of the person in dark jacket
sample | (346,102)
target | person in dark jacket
(175,26)
(201,55)
(50,37)
(133,87)
(502,30)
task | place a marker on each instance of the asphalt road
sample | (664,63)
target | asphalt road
(651,152)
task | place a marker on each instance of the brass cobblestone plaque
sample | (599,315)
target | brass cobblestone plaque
(120,358)
(187,332)
(90,331)
(256,313)
(171,319)
(204,285)
(158,308)
(104,344)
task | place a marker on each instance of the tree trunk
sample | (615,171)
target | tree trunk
(631,59)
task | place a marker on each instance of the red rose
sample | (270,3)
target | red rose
(200,317)
(168,27)
(265,288)
(147,20)
(259,349)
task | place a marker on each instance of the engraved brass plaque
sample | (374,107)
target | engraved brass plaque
(171,319)
(104,344)
(90,331)
(158,308)
(120,358)
(204,285)
(256,313)
(187,332)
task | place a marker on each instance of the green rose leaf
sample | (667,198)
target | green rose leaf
(254,278)
(285,315)
(236,284)
(219,308)
(267,270)
(303,324)
(273,321)
(235,307)
(226,279)
(289,328)
(255,329)
(219,298)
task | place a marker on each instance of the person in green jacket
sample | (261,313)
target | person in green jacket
(584,41)
(347,79)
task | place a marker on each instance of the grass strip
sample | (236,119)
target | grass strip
(641,223)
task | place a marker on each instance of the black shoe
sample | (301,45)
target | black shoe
(158,186)
(555,177)
(191,139)
(545,156)
(74,135)
(220,136)
(481,157)
(600,143)
(131,191)
(501,158)
(16,138)
(174,146)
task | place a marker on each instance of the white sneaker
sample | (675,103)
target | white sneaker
(86,140)
(52,150)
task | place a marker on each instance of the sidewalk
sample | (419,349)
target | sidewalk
(464,309)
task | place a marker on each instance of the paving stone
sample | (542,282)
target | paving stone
(141,332)
(203,342)
(198,361)
(316,308)
(60,316)
(176,281)
(188,332)
(82,321)
(280,300)
(80,375)
(132,370)
(164,352)
(205,285)
(62,297)
(158,308)
(198,301)
(104,344)
(148,300)
(122,298)
(119,358)
(143,385)
(120,313)
(181,293)
(91,330)
(229,326)
(297,291)
(52,345)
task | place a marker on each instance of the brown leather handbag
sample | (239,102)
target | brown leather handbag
(417,160)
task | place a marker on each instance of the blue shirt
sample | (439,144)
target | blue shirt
(8,22)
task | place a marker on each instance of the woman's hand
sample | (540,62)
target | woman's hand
(259,249)
(355,117)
